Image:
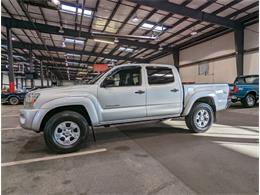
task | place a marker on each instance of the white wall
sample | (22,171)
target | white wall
(251,40)
(165,60)
(221,70)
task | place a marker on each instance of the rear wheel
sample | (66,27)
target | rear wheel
(249,101)
(14,101)
(65,132)
(200,118)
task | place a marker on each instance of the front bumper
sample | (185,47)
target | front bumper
(26,118)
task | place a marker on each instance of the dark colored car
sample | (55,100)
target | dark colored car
(246,90)
(13,98)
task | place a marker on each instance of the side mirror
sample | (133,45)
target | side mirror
(108,82)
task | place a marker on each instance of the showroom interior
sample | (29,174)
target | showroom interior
(60,45)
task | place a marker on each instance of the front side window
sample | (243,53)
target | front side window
(129,76)
(159,75)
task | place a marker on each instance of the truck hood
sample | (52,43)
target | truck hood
(50,94)
(69,90)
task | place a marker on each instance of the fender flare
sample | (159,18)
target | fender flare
(86,101)
(189,104)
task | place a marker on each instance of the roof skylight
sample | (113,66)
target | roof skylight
(73,10)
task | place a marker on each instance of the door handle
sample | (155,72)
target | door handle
(140,92)
(174,90)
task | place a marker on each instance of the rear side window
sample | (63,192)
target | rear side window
(159,75)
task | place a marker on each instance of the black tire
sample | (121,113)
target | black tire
(56,120)
(13,100)
(249,101)
(191,121)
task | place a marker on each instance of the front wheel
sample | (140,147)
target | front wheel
(65,132)
(249,101)
(14,100)
(200,118)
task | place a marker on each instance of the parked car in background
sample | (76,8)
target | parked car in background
(124,94)
(13,98)
(246,90)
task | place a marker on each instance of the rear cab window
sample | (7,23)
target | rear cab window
(247,80)
(159,75)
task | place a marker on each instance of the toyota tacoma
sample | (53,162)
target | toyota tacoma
(124,94)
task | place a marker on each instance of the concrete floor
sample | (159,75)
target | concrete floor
(151,158)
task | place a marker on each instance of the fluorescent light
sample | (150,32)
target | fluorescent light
(72,55)
(72,62)
(112,60)
(146,25)
(73,10)
(76,41)
(160,28)
(152,26)
(135,19)
(193,33)
(56,2)
(126,49)
(104,41)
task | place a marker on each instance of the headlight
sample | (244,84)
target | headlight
(30,99)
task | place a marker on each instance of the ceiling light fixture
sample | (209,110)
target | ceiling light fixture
(116,40)
(61,30)
(56,2)
(160,48)
(135,19)
(104,41)
(193,33)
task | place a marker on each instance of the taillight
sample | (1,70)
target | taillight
(235,89)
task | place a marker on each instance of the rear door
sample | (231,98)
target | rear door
(163,91)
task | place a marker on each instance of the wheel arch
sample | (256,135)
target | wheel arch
(76,108)
(202,99)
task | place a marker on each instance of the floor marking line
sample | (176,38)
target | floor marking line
(14,115)
(47,158)
(11,128)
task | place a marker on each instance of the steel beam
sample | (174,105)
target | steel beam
(10,60)
(176,58)
(31,66)
(46,28)
(41,73)
(191,13)
(20,45)
(239,47)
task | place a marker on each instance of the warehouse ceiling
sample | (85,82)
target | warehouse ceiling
(68,36)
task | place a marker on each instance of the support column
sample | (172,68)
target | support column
(16,83)
(41,73)
(2,80)
(239,47)
(31,66)
(47,77)
(176,58)
(10,59)
(22,83)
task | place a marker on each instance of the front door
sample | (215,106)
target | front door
(163,92)
(122,94)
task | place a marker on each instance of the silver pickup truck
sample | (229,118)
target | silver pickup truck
(124,94)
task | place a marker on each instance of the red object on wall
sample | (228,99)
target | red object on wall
(100,68)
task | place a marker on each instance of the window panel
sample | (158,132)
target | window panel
(159,75)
